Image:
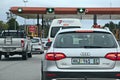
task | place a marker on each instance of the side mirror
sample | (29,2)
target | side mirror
(31,37)
(48,44)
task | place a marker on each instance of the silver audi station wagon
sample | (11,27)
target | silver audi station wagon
(82,53)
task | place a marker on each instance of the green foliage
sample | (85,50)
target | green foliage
(119,24)
(13,24)
(112,26)
(3,25)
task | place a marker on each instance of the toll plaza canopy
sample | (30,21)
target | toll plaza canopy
(64,12)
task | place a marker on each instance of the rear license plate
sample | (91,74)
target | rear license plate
(85,61)
(33,49)
(9,49)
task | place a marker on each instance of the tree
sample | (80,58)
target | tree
(3,25)
(13,24)
(119,24)
(110,25)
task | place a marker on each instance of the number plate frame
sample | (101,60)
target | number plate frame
(85,61)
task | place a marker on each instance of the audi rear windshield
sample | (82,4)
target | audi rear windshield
(55,29)
(85,40)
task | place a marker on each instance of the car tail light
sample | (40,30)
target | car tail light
(22,43)
(51,75)
(54,56)
(118,75)
(118,56)
(113,56)
(84,31)
(49,40)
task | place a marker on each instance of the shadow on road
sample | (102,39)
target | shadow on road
(12,59)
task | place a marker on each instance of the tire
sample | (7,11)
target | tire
(42,77)
(0,57)
(41,52)
(29,55)
(24,56)
(6,56)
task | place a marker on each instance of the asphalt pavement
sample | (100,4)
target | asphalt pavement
(17,69)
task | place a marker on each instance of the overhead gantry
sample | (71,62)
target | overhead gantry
(67,12)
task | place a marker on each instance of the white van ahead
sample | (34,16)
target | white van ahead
(62,23)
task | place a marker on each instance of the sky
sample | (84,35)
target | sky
(5,5)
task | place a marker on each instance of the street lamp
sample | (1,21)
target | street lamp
(8,15)
(25,1)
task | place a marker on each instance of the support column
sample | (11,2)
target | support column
(42,22)
(38,24)
(94,19)
(42,31)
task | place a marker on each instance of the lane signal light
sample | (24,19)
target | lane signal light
(20,10)
(50,10)
(81,10)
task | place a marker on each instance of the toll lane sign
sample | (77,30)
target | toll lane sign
(32,29)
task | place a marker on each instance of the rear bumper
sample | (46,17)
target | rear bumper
(12,52)
(54,75)
(37,51)
(11,49)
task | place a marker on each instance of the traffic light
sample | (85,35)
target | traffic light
(20,10)
(81,10)
(50,10)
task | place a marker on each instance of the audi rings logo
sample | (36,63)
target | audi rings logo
(84,54)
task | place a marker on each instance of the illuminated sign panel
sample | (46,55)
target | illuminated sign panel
(81,10)
(50,10)
(20,10)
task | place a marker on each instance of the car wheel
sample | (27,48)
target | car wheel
(6,56)
(41,52)
(29,55)
(24,56)
(42,77)
(0,57)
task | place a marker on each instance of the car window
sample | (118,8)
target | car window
(14,34)
(85,40)
(55,29)
(67,27)
(34,40)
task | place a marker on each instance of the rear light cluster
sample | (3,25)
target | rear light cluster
(22,43)
(115,56)
(84,31)
(49,40)
(54,56)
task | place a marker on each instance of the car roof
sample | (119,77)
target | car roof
(77,29)
(13,31)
